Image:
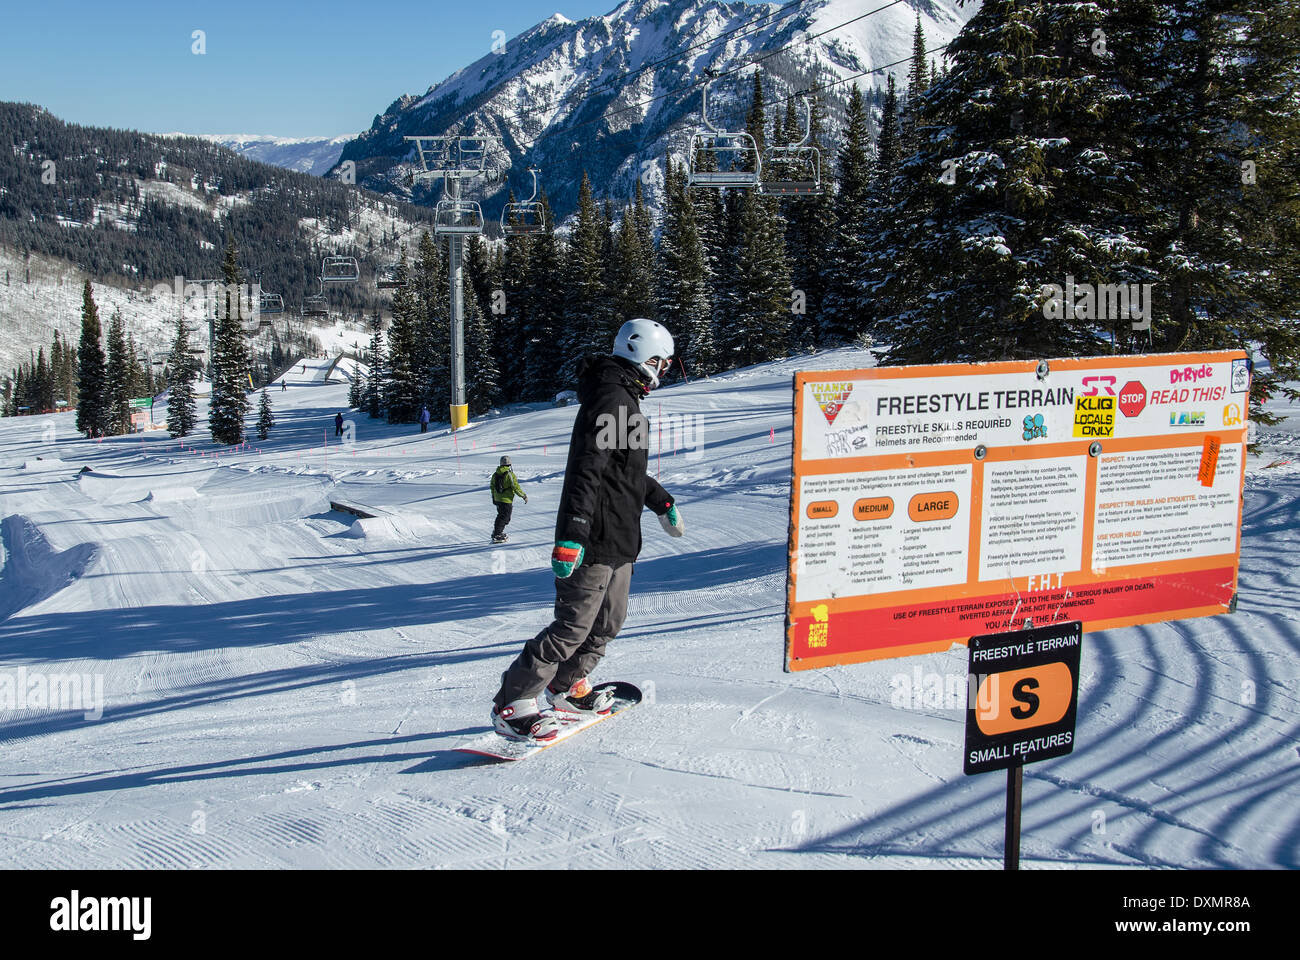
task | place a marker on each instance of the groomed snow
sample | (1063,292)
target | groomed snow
(279,691)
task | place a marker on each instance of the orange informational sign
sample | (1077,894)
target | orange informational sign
(932,504)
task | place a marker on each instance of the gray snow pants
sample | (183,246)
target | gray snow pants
(590,607)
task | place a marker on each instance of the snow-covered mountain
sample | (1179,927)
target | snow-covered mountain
(314,155)
(613,94)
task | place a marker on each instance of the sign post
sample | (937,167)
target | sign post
(1022,700)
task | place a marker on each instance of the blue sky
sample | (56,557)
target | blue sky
(285,68)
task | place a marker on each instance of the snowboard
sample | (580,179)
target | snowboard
(493,745)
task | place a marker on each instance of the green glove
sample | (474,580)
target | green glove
(672,522)
(565,558)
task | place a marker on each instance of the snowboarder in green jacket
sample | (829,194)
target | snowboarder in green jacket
(505,487)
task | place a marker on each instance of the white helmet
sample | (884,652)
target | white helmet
(641,341)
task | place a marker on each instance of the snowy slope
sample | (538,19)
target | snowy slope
(284,682)
(44,294)
(314,155)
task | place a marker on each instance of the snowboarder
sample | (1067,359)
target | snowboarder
(338,424)
(597,536)
(424,419)
(282,386)
(505,487)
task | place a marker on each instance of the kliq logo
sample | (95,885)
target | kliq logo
(1191,374)
(830,397)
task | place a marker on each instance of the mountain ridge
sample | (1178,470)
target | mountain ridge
(627,84)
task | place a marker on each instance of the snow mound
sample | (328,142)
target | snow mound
(170,494)
(400,527)
(44,463)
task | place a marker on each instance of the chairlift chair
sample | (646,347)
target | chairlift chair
(315,305)
(523,217)
(271,304)
(456,217)
(340,270)
(739,150)
(794,169)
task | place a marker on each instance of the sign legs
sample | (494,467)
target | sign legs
(1011,841)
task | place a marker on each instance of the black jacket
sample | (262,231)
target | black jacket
(605,479)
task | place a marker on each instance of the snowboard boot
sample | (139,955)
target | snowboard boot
(499,539)
(581,698)
(522,720)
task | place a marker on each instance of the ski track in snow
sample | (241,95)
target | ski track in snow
(284,684)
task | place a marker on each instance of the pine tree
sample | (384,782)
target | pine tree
(878,261)
(182,370)
(354,388)
(759,307)
(91,410)
(265,419)
(632,287)
(684,295)
(230,362)
(844,317)
(544,307)
(117,383)
(43,386)
(1007,191)
(810,228)
(374,392)
(1212,108)
(433,333)
(918,77)
(509,327)
(58,372)
(587,320)
(482,386)
(402,390)
(889,145)
(756,119)
(1269,106)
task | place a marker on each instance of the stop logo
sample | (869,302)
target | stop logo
(1132,399)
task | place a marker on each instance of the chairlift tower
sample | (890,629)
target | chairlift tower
(455,159)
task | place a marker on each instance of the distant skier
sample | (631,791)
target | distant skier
(505,487)
(282,386)
(338,424)
(424,419)
(597,536)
